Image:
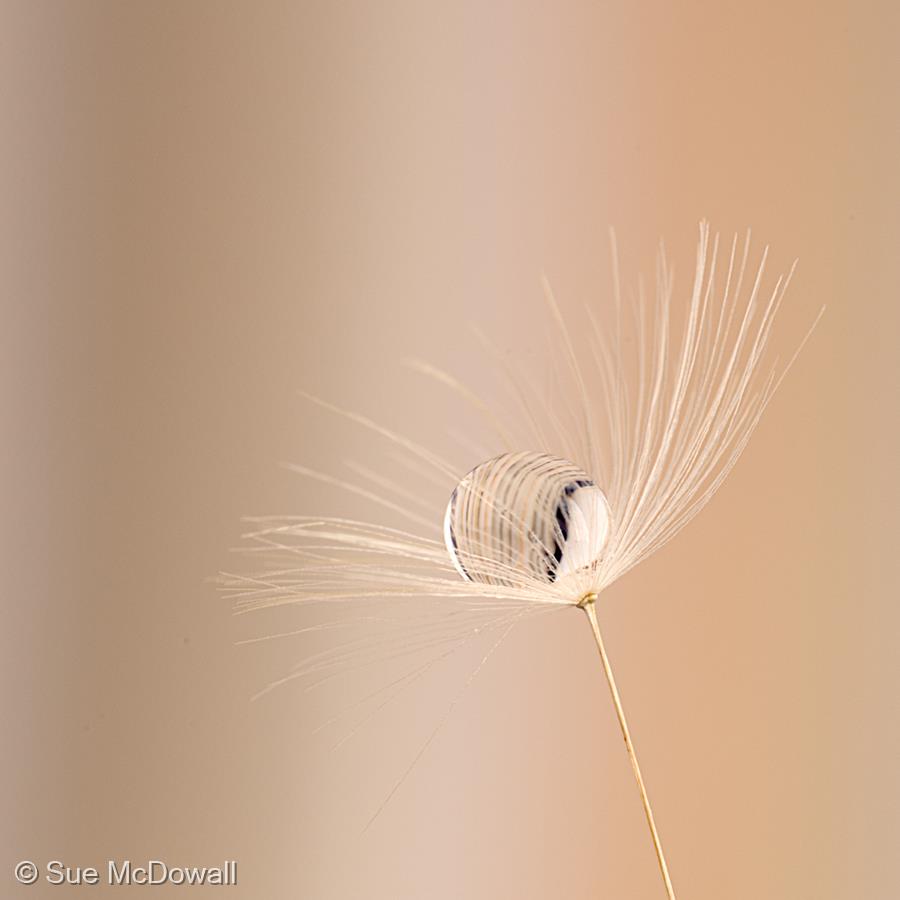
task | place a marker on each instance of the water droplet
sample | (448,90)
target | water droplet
(525,515)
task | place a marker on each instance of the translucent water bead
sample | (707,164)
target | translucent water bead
(525,515)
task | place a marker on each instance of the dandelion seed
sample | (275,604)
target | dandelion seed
(591,483)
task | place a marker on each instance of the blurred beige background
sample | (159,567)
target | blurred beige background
(206,206)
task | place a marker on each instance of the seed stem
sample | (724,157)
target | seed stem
(587,604)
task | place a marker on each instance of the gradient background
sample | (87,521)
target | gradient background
(206,206)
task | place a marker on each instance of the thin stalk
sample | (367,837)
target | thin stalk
(587,604)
